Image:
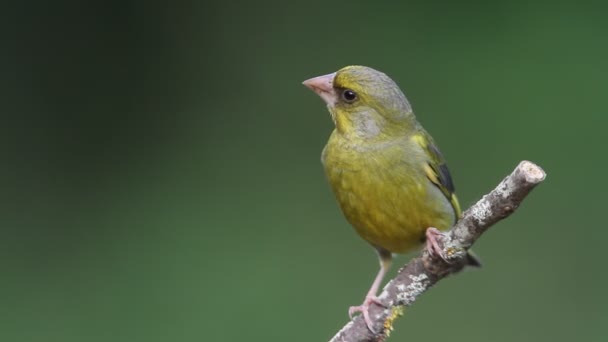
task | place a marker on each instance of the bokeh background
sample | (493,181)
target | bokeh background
(161,178)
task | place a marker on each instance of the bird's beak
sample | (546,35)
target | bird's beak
(324,87)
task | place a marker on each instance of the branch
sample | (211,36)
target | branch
(424,271)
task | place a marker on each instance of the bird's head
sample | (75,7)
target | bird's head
(364,102)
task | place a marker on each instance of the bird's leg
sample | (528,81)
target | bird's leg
(432,243)
(385,263)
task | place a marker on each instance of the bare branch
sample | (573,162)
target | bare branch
(424,271)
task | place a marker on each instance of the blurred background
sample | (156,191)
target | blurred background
(161,177)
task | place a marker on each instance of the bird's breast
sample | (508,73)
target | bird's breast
(385,195)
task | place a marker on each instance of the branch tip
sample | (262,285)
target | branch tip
(533,173)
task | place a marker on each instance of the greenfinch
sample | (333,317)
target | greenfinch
(388,175)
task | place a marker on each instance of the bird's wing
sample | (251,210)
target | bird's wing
(437,170)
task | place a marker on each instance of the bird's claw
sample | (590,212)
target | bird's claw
(364,310)
(433,235)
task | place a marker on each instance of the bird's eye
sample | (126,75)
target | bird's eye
(349,95)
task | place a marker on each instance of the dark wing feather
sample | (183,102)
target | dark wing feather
(441,169)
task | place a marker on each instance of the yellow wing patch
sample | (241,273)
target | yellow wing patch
(436,169)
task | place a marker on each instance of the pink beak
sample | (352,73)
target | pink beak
(324,87)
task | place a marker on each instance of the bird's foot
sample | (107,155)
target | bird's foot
(364,310)
(433,236)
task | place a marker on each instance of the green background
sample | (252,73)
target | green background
(161,180)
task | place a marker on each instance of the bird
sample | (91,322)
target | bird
(390,180)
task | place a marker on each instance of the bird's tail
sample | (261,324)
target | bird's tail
(472,259)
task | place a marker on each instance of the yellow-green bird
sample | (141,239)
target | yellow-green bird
(388,175)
